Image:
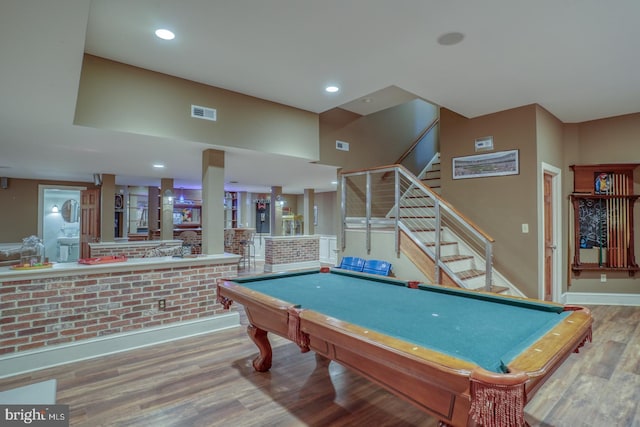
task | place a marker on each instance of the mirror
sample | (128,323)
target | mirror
(70,211)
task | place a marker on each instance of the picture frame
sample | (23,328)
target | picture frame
(499,163)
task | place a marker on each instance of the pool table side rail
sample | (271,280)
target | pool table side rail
(229,292)
(307,271)
(433,381)
(551,350)
(528,303)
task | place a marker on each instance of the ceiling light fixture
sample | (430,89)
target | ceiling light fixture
(158,165)
(332,89)
(165,34)
(449,39)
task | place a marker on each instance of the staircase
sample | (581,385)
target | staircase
(430,176)
(458,258)
(415,210)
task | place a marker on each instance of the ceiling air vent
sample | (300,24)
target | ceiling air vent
(203,113)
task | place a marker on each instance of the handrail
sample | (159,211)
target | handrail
(449,206)
(403,198)
(418,139)
(408,174)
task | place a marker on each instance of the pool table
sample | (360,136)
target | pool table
(466,357)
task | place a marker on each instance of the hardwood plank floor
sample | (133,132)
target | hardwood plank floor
(209,381)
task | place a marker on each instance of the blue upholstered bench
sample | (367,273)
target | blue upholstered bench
(374,266)
(352,263)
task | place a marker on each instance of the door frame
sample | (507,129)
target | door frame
(41,189)
(556,185)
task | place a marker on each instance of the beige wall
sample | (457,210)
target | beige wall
(382,248)
(120,97)
(498,205)
(610,140)
(549,138)
(374,140)
(19,202)
(327,207)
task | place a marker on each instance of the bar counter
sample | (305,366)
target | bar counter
(73,311)
(131,264)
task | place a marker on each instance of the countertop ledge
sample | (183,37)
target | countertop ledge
(132,264)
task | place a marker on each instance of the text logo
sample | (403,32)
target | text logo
(34,415)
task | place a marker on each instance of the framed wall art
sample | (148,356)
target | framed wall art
(500,163)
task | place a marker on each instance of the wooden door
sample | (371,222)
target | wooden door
(549,244)
(89,220)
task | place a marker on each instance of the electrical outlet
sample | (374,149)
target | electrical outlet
(603,278)
(162,304)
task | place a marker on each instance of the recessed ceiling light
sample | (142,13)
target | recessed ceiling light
(450,39)
(332,89)
(165,34)
(334,182)
(158,165)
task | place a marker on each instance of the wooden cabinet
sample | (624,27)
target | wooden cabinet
(603,209)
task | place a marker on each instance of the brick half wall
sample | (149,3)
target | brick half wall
(286,253)
(42,312)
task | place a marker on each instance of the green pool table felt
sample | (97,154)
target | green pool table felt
(485,330)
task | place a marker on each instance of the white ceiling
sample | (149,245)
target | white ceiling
(578,59)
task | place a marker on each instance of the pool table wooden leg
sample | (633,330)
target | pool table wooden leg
(262,362)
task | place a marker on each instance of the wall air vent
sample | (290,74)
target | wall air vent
(341,145)
(203,113)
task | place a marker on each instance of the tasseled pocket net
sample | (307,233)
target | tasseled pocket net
(497,405)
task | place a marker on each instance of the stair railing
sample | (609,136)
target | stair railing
(391,197)
(424,146)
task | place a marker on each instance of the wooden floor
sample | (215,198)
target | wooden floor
(209,381)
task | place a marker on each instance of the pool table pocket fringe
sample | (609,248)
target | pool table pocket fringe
(498,405)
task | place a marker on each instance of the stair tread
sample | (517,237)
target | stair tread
(470,274)
(442,243)
(451,258)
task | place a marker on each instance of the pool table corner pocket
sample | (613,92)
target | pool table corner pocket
(497,398)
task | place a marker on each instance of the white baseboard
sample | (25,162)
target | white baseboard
(276,268)
(593,298)
(47,357)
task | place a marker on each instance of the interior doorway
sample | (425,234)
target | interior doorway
(550,238)
(59,222)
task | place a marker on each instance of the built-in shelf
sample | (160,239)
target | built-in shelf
(603,208)
(230,209)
